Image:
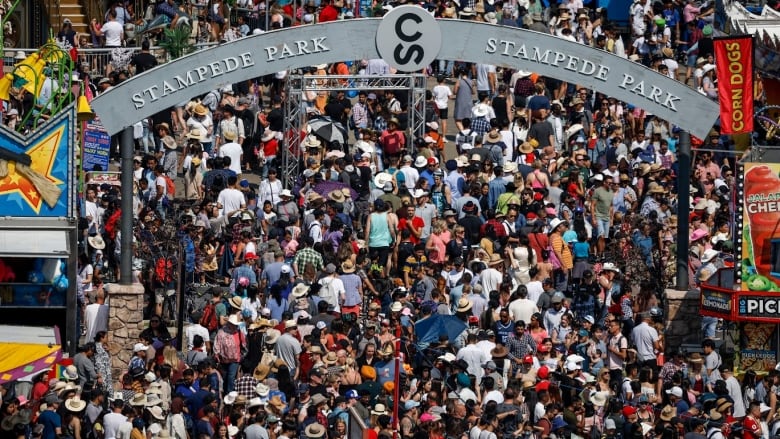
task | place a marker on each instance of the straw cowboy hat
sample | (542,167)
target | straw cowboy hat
(330,359)
(200,110)
(197,134)
(337,196)
(381,178)
(495,259)
(272,335)
(261,372)
(300,290)
(139,400)
(75,405)
(170,142)
(236,302)
(464,305)
(348,266)
(312,142)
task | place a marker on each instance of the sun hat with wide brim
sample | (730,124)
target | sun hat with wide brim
(464,305)
(609,266)
(272,335)
(381,178)
(169,142)
(236,302)
(97,243)
(555,223)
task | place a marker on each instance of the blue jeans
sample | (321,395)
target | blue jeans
(229,373)
(603,228)
(445,67)
(708,326)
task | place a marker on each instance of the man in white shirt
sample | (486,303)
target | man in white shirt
(194,329)
(332,288)
(112,31)
(230,198)
(473,356)
(112,421)
(486,81)
(645,338)
(411,175)
(96,315)
(523,307)
(232,149)
(535,287)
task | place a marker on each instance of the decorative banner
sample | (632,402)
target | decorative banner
(734,67)
(716,302)
(36,173)
(95,150)
(758,233)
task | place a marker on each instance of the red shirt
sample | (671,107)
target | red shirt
(752,428)
(417,222)
(329,13)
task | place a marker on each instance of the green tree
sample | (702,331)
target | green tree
(177,42)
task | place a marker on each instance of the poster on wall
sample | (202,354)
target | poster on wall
(758,219)
(758,344)
(36,171)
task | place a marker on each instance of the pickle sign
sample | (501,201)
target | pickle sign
(408,38)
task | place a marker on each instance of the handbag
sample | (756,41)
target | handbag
(553,257)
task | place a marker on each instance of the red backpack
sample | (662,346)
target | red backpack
(209,318)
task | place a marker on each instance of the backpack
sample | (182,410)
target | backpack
(170,186)
(356,181)
(209,318)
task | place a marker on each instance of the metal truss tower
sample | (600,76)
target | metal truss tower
(295,117)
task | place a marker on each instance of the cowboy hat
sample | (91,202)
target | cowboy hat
(464,305)
(200,110)
(337,196)
(234,319)
(300,290)
(480,110)
(420,162)
(285,193)
(574,129)
(197,134)
(348,266)
(314,431)
(318,399)
(609,266)
(709,255)
(698,234)
(715,415)
(261,372)
(230,398)
(312,142)
(71,373)
(555,223)
(75,405)
(330,359)
(272,335)
(139,400)
(379,409)
(381,178)
(495,259)
(500,351)
(695,357)
(156,412)
(262,390)
(236,302)
(494,136)
(20,417)
(277,403)
(97,243)
(656,189)
(169,142)
(526,148)
(525,73)
(510,168)
(418,193)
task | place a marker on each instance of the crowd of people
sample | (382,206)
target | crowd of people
(539,229)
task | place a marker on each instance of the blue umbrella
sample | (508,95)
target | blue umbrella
(428,330)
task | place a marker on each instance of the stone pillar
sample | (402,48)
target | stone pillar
(683,320)
(126,304)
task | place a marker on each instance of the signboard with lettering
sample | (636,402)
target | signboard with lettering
(96,150)
(758,346)
(716,302)
(408,41)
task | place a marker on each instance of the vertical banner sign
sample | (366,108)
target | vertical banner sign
(734,67)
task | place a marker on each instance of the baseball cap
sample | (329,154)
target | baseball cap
(675,391)
(140,347)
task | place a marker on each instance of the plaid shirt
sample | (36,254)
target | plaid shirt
(307,256)
(246,386)
(360,115)
(480,125)
(520,347)
(668,370)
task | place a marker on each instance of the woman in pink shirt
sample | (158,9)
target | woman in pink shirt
(437,242)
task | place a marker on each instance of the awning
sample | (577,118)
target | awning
(27,350)
(47,243)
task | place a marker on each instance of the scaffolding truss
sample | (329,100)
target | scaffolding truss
(295,115)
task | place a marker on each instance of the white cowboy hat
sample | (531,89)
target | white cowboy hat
(420,162)
(480,110)
(709,255)
(197,134)
(555,223)
(312,142)
(170,142)
(272,335)
(381,178)
(609,266)
(572,130)
(75,405)
(300,290)
(233,319)
(97,243)
(156,412)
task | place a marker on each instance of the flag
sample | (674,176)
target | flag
(734,69)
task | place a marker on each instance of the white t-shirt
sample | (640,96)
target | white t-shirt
(234,151)
(441,96)
(112,31)
(160,181)
(231,200)
(191,331)
(483,72)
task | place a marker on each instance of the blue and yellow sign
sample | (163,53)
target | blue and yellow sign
(36,171)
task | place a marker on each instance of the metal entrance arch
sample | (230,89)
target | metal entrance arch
(288,49)
(295,119)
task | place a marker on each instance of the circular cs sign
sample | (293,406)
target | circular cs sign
(408,38)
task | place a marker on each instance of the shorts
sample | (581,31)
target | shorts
(603,228)
(444,113)
(691,60)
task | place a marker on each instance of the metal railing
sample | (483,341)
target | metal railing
(95,61)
